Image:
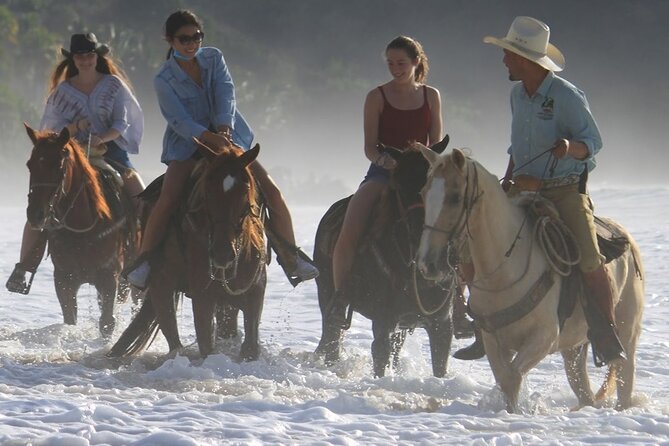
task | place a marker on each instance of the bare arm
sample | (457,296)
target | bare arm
(372,113)
(437,124)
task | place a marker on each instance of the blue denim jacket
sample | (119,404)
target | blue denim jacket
(190,109)
(557,110)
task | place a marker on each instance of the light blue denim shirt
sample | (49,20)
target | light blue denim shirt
(557,110)
(190,109)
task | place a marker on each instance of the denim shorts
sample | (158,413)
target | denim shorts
(377,173)
(118,156)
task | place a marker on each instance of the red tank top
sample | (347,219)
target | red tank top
(397,128)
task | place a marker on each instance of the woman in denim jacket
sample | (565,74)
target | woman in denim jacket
(197,98)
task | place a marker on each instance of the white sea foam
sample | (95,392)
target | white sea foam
(58,388)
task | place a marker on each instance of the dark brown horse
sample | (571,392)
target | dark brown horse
(214,252)
(86,220)
(382,284)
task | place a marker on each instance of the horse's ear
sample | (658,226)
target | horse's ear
(204,150)
(31,133)
(63,137)
(459,159)
(441,145)
(430,155)
(249,156)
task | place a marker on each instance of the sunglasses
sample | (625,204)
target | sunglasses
(185,39)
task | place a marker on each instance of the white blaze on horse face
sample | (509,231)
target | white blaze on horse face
(228,183)
(434,200)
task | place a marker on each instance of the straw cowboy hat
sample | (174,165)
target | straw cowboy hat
(528,37)
(85,43)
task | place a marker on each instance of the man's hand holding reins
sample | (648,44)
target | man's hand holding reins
(575,149)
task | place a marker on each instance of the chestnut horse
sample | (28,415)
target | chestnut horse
(214,252)
(88,239)
(382,285)
(464,202)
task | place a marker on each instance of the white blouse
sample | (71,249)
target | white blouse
(111,104)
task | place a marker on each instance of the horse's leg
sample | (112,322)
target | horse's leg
(575,365)
(381,347)
(106,284)
(506,376)
(204,309)
(66,290)
(440,334)
(161,293)
(397,341)
(250,350)
(329,345)
(537,347)
(629,312)
(226,321)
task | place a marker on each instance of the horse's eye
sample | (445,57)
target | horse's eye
(454,199)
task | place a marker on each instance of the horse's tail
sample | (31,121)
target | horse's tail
(609,384)
(139,335)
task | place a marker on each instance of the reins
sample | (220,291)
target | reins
(411,263)
(54,222)
(238,245)
(220,274)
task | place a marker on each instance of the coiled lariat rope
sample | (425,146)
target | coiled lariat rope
(557,242)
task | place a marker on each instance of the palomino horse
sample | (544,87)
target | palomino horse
(214,252)
(465,203)
(88,242)
(383,285)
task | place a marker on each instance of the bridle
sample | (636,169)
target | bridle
(225,275)
(52,221)
(404,212)
(470,197)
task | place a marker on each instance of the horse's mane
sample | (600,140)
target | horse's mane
(253,233)
(88,172)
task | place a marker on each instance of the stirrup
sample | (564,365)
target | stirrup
(17,280)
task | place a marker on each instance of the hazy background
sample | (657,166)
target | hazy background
(303,67)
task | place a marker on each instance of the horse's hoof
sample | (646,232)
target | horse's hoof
(249,353)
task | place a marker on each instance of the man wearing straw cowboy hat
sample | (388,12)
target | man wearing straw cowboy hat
(554,139)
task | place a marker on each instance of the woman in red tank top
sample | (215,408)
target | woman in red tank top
(396,113)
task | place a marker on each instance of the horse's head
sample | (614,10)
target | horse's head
(58,164)
(228,196)
(47,172)
(448,195)
(408,179)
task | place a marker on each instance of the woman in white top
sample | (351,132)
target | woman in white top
(91,96)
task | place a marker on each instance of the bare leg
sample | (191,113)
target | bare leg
(357,214)
(156,226)
(33,244)
(282,221)
(133,185)
(282,225)
(175,178)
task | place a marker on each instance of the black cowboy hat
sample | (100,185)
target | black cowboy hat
(85,43)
